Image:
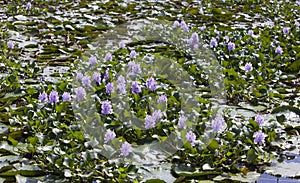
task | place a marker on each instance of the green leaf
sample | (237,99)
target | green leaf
(13,141)
(155,181)
(251,156)
(213,145)
(32,140)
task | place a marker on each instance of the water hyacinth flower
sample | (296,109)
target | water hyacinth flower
(202,28)
(109,135)
(86,81)
(106,107)
(80,93)
(108,57)
(135,87)
(28,5)
(162,98)
(66,97)
(176,24)
(218,123)
(191,138)
(109,87)
(250,32)
(135,68)
(151,84)
(149,122)
(133,54)
(194,40)
(157,115)
(10,44)
(213,42)
(297,24)
(298,3)
(43,97)
(259,138)
(279,50)
(97,77)
(248,67)
(79,76)
(231,46)
(226,39)
(184,26)
(259,119)
(122,44)
(106,75)
(121,85)
(218,33)
(93,60)
(126,148)
(53,97)
(285,30)
(181,122)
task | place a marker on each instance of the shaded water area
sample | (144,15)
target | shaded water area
(51,36)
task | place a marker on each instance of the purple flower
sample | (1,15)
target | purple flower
(226,39)
(218,123)
(106,75)
(181,122)
(250,32)
(43,97)
(285,30)
(202,28)
(248,67)
(231,46)
(184,26)
(10,44)
(135,68)
(151,84)
(297,23)
(97,77)
(194,40)
(53,97)
(135,87)
(79,76)
(28,5)
(122,44)
(149,122)
(196,47)
(176,24)
(191,138)
(108,57)
(109,135)
(121,85)
(80,93)
(213,42)
(259,138)
(157,115)
(66,97)
(109,87)
(218,33)
(93,60)
(86,81)
(298,3)
(162,98)
(279,50)
(126,148)
(106,107)
(259,119)
(133,54)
